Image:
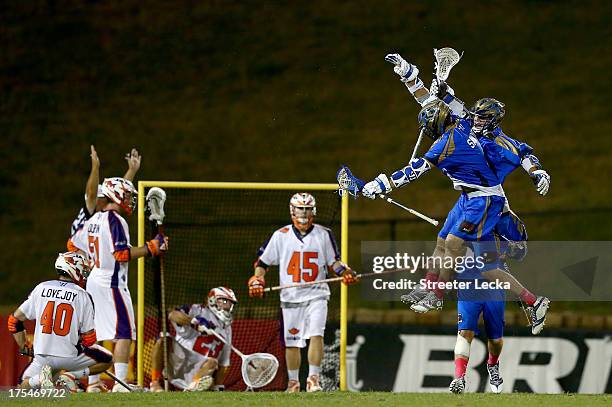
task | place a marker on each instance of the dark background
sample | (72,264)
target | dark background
(286,92)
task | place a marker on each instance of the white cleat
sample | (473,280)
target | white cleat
(538,314)
(293,386)
(414,296)
(430,302)
(118,388)
(97,387)
(495,380)
(457,386)
(45,378)
(202,384)
(68,382)
(312,384)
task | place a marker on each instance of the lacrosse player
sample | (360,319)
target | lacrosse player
(197,361)
(65,337)
(94,198)
(458,153)
(304,252)
(503,153)
(105,237)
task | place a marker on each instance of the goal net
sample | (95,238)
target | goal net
(215,230)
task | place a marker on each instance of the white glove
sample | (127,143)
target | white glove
(379,185)
(541,181)
(406,71)
(440,88)
(199,327)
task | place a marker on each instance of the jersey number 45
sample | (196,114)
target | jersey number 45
(307,263)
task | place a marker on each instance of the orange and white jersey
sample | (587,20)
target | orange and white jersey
(63,311)
(105,238)
(301,259)
(208,346)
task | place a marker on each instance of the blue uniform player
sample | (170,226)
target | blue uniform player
(459,154)
(503,154)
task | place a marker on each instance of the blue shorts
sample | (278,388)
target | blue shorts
(468,313)
(473,219)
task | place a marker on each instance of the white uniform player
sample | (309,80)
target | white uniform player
(64,338)
(105,237)
(304,252)
(197,360)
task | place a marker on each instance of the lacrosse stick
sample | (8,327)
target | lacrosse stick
(445,60)
(347,182)
(124,384)
(258,369)
(156,197)
(331,280)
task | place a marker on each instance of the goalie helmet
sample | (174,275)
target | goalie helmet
(221,301)
(486,114)
(120,191)
(434,119)
(74,266)
(299,206)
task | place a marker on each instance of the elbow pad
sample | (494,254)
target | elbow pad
(411,172)
(15,325)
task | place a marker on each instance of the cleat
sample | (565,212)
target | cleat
(117,388)
(68,382)
(537,312)
(457,386)
(429,303)
(495,380)
(97,387)
(414,296)
(293,386)
(202,384)
(45,378)
(312,384)
(156,387)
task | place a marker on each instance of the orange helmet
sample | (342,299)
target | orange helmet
(298,208)
(120,191)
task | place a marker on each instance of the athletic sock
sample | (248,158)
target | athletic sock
(94,378)
(294,374)
(528,297)
(34,382)
(429,276)
(80,373)
(493,359)
(460,367)
(439,291)
(312,369)
(121,370)
(155,375)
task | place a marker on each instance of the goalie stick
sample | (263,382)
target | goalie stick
(156,198)
(124,384)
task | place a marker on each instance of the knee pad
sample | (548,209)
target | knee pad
(462,347)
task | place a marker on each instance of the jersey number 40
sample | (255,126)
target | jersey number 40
(296,270)
(56,320)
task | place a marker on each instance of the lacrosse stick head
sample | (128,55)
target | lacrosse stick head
(259,369)
(348,182)
(446,58)
(156,197)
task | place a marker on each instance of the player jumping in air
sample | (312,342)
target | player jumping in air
(105,237)
(304,252)
(459,154)
(198,361)
(65,337)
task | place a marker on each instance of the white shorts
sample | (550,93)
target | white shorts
(301,323)
(114,317)
(89,357)
(184,364)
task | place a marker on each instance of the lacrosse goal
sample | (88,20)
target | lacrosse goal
(215,229)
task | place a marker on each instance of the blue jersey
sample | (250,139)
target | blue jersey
(461,157)
(504,153)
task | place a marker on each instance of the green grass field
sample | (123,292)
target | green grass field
(337,399)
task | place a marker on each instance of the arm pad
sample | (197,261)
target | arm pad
(15,325)
(411,172)
(89,338)
(529,162)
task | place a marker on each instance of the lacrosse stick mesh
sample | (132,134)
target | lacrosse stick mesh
(446,58)
(259,369)
(348,182)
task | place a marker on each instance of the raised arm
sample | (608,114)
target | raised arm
(91,189)
(133,160)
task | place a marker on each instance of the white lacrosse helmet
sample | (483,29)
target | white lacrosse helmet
(297,205)
(221,295)
(120,191)
(74,266)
